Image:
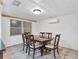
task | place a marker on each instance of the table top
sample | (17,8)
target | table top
(2,46)
(37,38)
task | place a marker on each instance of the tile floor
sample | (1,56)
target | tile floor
(16,52)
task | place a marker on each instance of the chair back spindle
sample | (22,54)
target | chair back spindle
(56,42)
(42,34)
(49,35)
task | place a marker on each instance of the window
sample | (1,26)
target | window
(27,26)
(17,27)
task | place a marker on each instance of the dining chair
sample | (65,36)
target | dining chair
(33,45)
(48,35)
(42,34)
(24,38)
(54,46)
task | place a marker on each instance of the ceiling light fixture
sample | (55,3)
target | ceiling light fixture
(37,11)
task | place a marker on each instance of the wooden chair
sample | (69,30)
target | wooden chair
(24,37)
(33,45)
(54,46)
(42,34)
(48,35)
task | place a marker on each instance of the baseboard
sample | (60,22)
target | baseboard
(71,49)
(14,45)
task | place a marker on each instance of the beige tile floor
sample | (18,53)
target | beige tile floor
(15,52)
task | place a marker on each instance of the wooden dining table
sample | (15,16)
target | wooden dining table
(42,41)
(38,39)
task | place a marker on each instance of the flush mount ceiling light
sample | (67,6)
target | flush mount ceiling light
(37,11)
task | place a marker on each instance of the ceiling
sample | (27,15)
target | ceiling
(50,8)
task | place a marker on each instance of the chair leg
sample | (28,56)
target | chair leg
(33,53)
(23,47)
(26,48)
(57,50)
(54,54)
(41,52)
(29,50)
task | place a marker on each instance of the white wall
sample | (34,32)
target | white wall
(0,19)
(68,27)
(11,40)
(35,28)
(0,23)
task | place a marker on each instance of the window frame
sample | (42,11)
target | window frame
(22,27)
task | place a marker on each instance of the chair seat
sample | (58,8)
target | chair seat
(49,46)
(37,45)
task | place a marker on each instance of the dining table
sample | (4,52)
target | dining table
(42,41)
